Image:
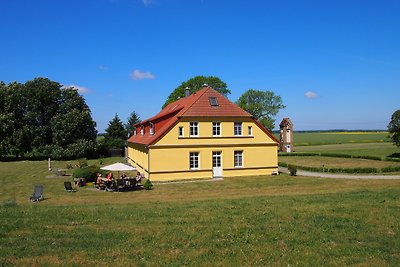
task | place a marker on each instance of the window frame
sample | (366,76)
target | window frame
(194,128)
(152,128)
(250,130)
(194,160)
(216,128)
(238,128)
(238,158)
(181,131)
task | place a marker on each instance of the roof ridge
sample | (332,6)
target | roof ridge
(198,97)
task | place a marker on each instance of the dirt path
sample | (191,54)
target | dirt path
(340,176)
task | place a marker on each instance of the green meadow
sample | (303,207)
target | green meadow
(247,221)
(324,138)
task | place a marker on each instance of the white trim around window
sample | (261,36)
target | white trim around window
(238,158)
(181,131)
(216,128)
(194,129)
(237,129)
(194,160)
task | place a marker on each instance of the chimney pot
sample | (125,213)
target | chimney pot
(187,92)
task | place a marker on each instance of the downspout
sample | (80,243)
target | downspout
(148,161)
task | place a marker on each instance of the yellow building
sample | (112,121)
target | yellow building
(203,135)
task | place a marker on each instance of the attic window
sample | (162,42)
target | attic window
(151,128)
(213,101)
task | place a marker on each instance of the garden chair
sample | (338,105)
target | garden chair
(37,193)
(68,187)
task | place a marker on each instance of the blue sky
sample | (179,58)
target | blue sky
(336,64)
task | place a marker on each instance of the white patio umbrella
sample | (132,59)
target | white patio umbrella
(118,167)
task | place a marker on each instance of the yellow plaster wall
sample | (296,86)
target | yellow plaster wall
(138,157)
(205,133)
(172,163)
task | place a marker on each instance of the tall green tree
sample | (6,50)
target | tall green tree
(394,128)
(73,121)
(41,116)
(116,134)
(195,84)
(132,120)
(263,105)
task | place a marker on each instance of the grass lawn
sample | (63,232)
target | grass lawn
(271,220)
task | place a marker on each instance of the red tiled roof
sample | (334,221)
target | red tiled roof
(195,105)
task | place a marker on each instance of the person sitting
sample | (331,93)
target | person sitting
(138,178)
(110,181)
(110,176)
(99,181)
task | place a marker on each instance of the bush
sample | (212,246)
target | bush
(147,185)
(292,169)
(89,173)
(391,169)
(368,157)
(335,155)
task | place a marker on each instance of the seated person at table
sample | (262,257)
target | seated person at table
(110,176)
(123,179)
(138,177)
(99,180)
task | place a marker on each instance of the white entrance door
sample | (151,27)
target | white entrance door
(217,164)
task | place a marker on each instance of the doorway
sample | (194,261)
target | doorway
(217,163)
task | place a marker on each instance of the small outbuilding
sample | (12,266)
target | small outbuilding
(286,136)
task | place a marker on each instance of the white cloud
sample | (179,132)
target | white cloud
(147,2)
(102,67)
(80,89)
(311,95)
(141,75)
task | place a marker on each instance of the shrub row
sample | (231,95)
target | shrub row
(343,170)
(337,155)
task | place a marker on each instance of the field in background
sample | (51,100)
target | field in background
(324,138)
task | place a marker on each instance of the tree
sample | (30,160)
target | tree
(116,134)
(132,120)
(41,117)
(195,84)
(73,121)
(394,128)
(263,105)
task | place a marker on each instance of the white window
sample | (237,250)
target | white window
(238,159)
(134,131)
(181,131)
(250,130)
(151,128)
(216,129)
(194,128)
(194,160)
(142,129)
(238,128)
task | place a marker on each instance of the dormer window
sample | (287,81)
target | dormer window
(213,101)
(134,131)
(142,129)
(151,128)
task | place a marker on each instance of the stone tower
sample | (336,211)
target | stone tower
(286,136)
